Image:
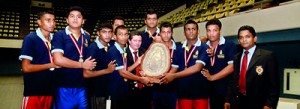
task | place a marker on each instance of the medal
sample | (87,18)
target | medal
(78,49)
(48,46)
(80,59)
(172,53)
(213,58)
(124,55)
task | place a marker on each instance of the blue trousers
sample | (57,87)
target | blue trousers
(70,98)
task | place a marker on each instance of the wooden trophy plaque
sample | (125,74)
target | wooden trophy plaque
(156,60)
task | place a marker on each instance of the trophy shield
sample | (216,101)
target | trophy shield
(156,60)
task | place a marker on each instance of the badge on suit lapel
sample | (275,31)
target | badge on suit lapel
(221,55)
(195,56)
(259,70)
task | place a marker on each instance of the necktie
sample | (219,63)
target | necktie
(242,80)
(137,69)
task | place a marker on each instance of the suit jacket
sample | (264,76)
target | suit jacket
(130,60)
(130,57)
(262,81)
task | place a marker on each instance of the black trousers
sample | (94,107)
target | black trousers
(246,102)
(216,101)
(141,98)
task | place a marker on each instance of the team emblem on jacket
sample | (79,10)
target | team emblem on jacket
(195,56)
(86,44)
(221,55)
(259,70)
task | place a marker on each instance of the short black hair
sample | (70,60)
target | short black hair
(151,11)
(75,8)
(191,22)
(117,18)
(120,27)
(134,33)
(42,13)
(249,28)
(166,25)
(214,22)
(104,25)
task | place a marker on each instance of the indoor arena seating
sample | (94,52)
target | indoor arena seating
(9,24)
(94,34)
(137,7)
(60,17)
(62,10)
(160,6)
(60,22)
(133,12)
(210,9)
(120,7)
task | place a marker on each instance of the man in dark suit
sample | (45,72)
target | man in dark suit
(255,84)
(140,94)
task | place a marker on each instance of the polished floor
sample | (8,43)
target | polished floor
(11,92)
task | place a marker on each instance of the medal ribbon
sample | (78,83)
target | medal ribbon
(124,61)
(172,52)
(186,60)
(48,48)
(79,50)
(213,59)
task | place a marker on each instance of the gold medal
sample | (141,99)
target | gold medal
(80,59)
(77,47)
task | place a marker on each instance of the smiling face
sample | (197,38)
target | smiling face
(135,42)
(246,39)
(75,19)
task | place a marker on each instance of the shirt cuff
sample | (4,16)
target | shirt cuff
(57,50)
(200,61)
(119,67)
(25,57)
(175,66)
(230,62)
